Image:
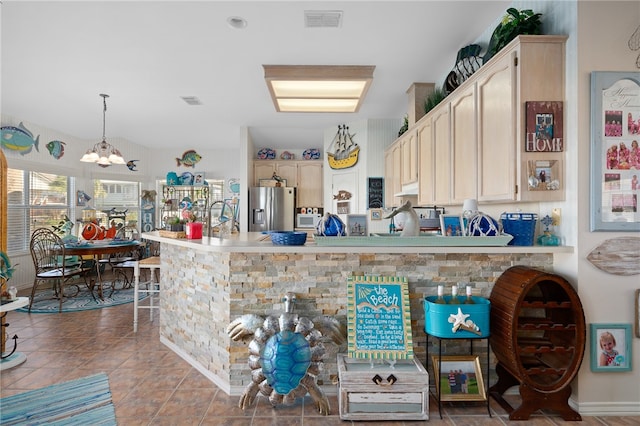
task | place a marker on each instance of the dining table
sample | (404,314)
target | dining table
(97,249)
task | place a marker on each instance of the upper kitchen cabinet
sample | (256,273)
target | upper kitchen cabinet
(463,145)
(441,123)
(265,169)
(540,71)
(530,68)
(426,179)
(497,116)
(473,144)
(309,192)
(305,175)
(409,155)
(393,175)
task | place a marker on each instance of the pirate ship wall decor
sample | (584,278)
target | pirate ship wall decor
(343,151)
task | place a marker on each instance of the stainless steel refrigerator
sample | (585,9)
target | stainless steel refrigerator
(272,209)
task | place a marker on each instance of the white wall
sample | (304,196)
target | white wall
(604,29)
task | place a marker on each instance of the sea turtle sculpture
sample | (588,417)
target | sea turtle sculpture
(285,355)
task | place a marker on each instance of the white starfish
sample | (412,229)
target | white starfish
(458,319)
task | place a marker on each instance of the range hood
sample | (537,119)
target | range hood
(408,190)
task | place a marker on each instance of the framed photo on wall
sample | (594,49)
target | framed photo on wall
(637,302)
(459,378)
(615,160)
(610,347)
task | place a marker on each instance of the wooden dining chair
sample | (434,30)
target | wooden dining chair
(52,264)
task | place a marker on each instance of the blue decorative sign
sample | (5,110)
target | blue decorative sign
(379,318)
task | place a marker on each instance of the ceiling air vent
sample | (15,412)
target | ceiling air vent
(191,100)
(322,18)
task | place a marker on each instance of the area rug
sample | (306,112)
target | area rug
(85,401)
(45,302)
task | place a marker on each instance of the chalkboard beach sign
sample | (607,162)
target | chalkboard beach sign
(376,193)
(379,318)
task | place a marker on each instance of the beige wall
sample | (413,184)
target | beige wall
(604,29)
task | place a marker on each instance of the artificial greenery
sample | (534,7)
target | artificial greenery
(514,23)
(405,126)
(433,99)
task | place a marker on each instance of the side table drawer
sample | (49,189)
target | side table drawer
(360,398)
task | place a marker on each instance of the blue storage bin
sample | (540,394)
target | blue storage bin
(522,226)
(436,318)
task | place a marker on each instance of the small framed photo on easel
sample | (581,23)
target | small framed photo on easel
(451,225)
(357,225)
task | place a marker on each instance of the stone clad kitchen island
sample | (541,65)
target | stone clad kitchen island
(207,283)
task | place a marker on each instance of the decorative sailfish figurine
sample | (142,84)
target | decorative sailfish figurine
(411,226)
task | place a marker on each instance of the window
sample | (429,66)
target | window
(35,200)
(114,198)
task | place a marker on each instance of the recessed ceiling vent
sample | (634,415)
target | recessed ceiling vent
(322,18)
(191,100)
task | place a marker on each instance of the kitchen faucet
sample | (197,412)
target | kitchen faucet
(226,214)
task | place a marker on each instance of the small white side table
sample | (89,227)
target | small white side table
(16,358)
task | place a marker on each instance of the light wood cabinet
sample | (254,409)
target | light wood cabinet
(472,145)
(496,130)
(540,75)
(393,175)
(289,171)
(426,178)
(310,186)
(442,155)
(463,145)
(264,169)
(409,155)
(305,175)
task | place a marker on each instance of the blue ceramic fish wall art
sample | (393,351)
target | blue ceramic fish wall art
(131,164)
(56,149)
(19,139)
(189,159)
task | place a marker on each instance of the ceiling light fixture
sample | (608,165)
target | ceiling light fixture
(318,88)
(103,152)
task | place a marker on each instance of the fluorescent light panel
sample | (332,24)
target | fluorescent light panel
(318,88)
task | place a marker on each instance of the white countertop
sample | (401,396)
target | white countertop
(256,242)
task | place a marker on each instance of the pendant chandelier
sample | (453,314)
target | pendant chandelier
(103,152)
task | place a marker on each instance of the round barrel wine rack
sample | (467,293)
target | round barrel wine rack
(538,337)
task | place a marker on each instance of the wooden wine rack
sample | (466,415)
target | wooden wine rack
(538,337)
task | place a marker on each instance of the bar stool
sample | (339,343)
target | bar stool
(152,288)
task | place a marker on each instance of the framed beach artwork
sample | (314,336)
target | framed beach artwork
(459,378)
(610,347)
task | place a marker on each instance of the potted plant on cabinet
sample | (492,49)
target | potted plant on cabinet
(514,23)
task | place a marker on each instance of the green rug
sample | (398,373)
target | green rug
(45,302)
(85,401)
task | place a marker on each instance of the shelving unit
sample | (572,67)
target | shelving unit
(199,196)
(539,340)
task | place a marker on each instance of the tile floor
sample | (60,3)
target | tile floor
(151,385)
